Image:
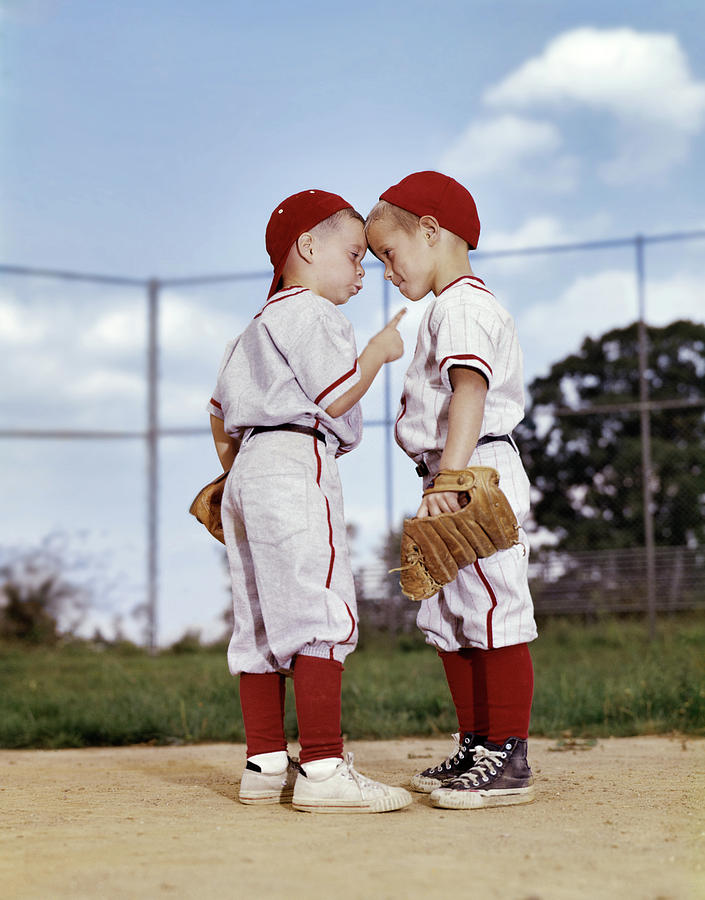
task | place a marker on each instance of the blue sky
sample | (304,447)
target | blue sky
(154,138)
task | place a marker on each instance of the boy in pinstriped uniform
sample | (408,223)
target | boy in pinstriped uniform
(284,408)
(463,395)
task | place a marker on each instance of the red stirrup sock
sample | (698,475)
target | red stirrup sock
(262,701)
(466,689)
(317,685)
(509,677)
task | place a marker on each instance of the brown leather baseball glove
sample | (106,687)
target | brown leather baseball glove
(206,506)
(435,547)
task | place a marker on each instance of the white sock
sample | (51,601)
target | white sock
(270,763)
(320,769)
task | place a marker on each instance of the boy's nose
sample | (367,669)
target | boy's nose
(361,271)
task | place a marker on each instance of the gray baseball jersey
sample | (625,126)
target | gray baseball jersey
(489,604)
(282,508)
(293,360)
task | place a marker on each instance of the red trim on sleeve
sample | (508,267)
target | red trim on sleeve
(493,602)
(336,384)
(466,356)
(216,404)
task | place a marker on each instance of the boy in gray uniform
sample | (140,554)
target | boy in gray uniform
(285,406)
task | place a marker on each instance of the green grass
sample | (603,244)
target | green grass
(591,681)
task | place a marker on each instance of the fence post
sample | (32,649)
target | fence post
(153,287)
(645,416)
(389,474)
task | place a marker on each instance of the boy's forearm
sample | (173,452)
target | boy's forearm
(369,363)
(225,445)
(465,415)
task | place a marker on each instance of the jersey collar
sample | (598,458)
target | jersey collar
(462,278)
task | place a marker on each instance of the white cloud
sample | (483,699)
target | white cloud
(541,231)
(641,79)
(678,297)
(595,303)
(538,231)
(117,330)
(108,385)
(589,306)
(511,145)
(18,328)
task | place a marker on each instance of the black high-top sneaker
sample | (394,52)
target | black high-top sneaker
(500,776)
(458,762)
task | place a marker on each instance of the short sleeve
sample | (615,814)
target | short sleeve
(463,339)
(324,360)
(215,404)
(215,408)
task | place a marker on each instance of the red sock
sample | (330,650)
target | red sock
(262,701)
(317,685)
(467,690)
(509,682)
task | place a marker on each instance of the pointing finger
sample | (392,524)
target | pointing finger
(395,320)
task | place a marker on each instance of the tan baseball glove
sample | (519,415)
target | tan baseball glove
(206,506)
(435,547)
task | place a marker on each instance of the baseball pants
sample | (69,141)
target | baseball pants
(292,582)
(489,604)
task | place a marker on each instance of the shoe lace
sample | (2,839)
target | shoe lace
(453,760)
(362,781)
(487,762)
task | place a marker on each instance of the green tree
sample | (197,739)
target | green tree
(37,594)
(586,467)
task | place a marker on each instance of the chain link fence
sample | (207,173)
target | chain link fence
(105,438)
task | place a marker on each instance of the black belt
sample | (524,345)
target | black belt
(299,429)
(422,468)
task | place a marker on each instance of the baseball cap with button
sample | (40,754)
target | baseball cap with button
(291,218)
(440,196)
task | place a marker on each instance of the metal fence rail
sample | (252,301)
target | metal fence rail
(616,581)
(585,583)
(153,431)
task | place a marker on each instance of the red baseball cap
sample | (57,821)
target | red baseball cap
(440,196)
(291,218)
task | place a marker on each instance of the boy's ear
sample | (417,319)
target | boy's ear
(431,229)
(304,246)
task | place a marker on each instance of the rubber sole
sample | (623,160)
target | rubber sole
(262,798)
(379,805)
(449,799)
(424,785)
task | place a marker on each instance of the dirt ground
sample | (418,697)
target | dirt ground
(625,818)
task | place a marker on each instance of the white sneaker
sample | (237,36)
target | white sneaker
(278,787)
(347,791)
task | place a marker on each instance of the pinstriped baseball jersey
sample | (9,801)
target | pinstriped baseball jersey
(463,326)
(294,359)
(489,604)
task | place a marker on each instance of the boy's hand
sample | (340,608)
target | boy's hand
(442,502)
(388,340)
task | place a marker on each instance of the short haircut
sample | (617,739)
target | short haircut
(334,221)
(406,220)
